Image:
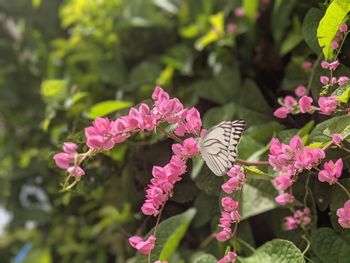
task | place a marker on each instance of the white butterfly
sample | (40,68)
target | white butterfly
(219,145)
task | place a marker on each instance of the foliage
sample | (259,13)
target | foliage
(65,63)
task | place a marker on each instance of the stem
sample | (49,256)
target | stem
(307,246)
(343,187)
(252,163)
(341,45)
(207,240)
(155,230)
(170,135)
(306,189)
(311,78)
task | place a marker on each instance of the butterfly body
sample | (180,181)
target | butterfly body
(219,145)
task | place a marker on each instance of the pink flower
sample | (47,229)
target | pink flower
(343,27)
(284,199)
(63,160)
(290,223)
(307,65)
(333,65)
(189,148)
(239,11)
(305,104)
(324,64)
(344,215)
(70,147)
(327,105)
(194,121)
(281,113)
(337,138)
(324,80)
(76,171)
(223,235)
(307,158)
(99,134)
(229,204)
(231,27)
(229,258)
(334,45)
(144,247)
(159,94)
(300,91)
(300,217)
(283,181)
(342,80)
(331,171)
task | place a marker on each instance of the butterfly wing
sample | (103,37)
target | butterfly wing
(219,145)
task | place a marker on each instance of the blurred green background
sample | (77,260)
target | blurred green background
(63,63)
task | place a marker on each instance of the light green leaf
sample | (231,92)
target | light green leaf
(36,3)
(205,258)
(106,107)
(39,255)
(251,7)
(293,39)
(340,125)
(214,34)
(310,24)
(342,92)
(258,196)
(169,234)
(54,89)
(277,250)
(329,246)
(255,173)
(329,25)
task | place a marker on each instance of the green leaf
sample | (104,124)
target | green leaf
(106,107)
(205,258)
(258,196)
(329,246)
(255,173)
(251,7)
(342,93)
(309,29)
(169,234)
(277,250)
(39,255)
(293,39)
(340,125)
(280,18)
(55,89)
(329,25)
(215,32)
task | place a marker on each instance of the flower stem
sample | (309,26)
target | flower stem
(344,189)
(170,135)
(307,245)
(155,230)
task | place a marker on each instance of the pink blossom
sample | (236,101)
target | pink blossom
(324,64)
(327,105)
(284,199)
(63,160)
(334,80)
(305,104)
(231,27)
(189,148)
(194,121)
(144,247)
(324,80)
(307,65)
(229,258)
(283,181)
(289,102)
(343,27)
(342,80)
(239,11)
(159,94)
(290,223)
(344,215)
(281,113)
(307,158)
(76,171)
(225,220)
(69,147)
(99,134)
(235,216)
(300,91)
(229,204)
(333,65)
(334,45)
(141,118)
(337,138)
(223,235)
(331,171)
(299,218)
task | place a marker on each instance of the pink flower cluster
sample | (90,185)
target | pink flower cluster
(230,257)
(143,246)
(67,159)
(339,36)
(331,171)
(237,179)
(290,159)
(344,215)
(229,215)
(164,178)
(299,218)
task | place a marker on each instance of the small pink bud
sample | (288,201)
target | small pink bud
(239,11)
(307,65)
(334,45)
(342,80)
(305,104)
(231,27)
(300,91)
(343,27)
(324,80)
(325,64)
(284,199)
(337,138)
(281,113)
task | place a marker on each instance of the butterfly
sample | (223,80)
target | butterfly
(219,145)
